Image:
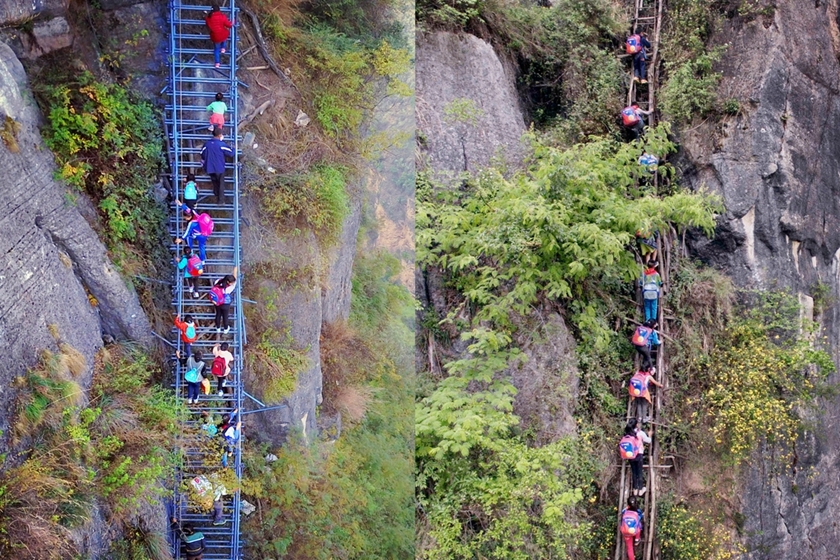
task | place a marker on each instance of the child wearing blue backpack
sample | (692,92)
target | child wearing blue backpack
(651,283)
(189,332)
(190,192)
(193,368)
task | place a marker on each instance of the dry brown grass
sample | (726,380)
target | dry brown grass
(352,401)
(345,360)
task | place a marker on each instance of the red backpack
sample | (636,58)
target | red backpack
(219,366)
(637,385)
(194,266)
(641,336)
(628,446)
(634,44)
(631,523)
(629,116)
(205,224)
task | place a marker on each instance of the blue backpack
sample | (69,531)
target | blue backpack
(650,287)
(190,192)
(191,376)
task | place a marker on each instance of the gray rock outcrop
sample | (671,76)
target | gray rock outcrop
(463,135)
(777,167)
(55,274)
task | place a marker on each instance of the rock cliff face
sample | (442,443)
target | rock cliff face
(52,260)
(777,166)
(452,68)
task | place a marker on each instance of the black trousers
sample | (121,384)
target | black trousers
(646,359)
(636,467)
(218,181)
(222,314)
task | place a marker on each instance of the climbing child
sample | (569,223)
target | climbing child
(649,164)
(631,525)
(639,388)
(193,267)
(644,339)
(199,228)
(219,27)
(217,108)
(632,449)
(221,294)
(633,118)
(189,334)
(213,155)
(651,282)
(193,368)
(647,244)
(221,364)
(190,192)
(192,541)
(636,45)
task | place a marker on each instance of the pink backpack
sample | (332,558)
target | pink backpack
(205,224)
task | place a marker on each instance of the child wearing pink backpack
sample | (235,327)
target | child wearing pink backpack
(630,526)
(221,296)
(632,449)
(199,228)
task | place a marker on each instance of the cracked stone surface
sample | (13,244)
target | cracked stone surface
(50,258)
(460,67)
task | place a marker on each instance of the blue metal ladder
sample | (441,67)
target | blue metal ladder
(192,85)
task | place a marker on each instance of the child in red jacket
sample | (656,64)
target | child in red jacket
(219,27)
(188,332)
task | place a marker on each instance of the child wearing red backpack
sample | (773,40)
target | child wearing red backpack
(639,388)
(632,449)
(644,339)
(632,118)
(631,523)
(189,333)
(193,268)
(221,364)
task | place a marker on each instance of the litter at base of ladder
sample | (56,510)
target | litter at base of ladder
(302,119)
(247,507)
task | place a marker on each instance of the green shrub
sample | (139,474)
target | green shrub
(108,143)
(317,200)
(106,451)
(351,498)
(691,89)
(686,534)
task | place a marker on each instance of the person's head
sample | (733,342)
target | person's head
(188,529)
(224,346)
(651,323)
(630,428)
(633,503)
(197,356)
(653,264)
(634,105)
(217,132)
(188,319)
(214,7)
(219,96)
(190,177)
(229,279)
(188,213)
(187,252)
